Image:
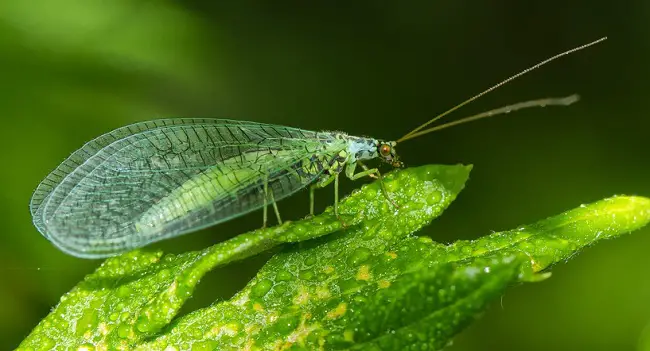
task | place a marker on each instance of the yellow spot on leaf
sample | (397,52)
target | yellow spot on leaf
(364,273)
(391,255)
(302,297)
(383,284)
(479,252)
(338,311)
(252,329)
(536,266)
(124,346)
(249,345)
(229,329)
(102,328)
(348,335)
(323,293)
(258,307)
(301,332)
(328,269)
(242,300)
(271,316)
(172,288)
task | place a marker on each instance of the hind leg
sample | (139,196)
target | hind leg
(324,181)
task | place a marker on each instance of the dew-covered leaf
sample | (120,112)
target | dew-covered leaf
(131,297)
(369,284)
(558,238)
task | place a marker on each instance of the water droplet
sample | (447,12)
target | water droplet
(410,191)
(124,291)
(310,261)
(196,334)
(306,274)
(87,322)
(261,288)
(164,274)
(466,250)
(434,197)
(123,331)
(349,285)
(205,346)
(359,256)
(299,229)
(46,343)
(124,316)
(142,324)
(283,275)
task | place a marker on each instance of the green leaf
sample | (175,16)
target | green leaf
(558,238)
(369,284)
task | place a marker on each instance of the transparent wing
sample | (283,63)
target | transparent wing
(159,179)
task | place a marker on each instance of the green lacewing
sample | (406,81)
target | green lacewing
(159,179)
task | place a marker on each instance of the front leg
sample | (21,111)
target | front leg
(372,173)
(369,172)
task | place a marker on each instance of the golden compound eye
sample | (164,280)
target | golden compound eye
(384,150)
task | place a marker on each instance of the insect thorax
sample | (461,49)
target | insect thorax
(362,148)
(340,149)
(354,149)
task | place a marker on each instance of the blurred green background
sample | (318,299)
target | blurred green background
(73,69)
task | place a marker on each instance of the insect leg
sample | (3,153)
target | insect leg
(336,194)
(350,168)
(265,210)
(268,195)
(275,207)
(374,173)
(367,172)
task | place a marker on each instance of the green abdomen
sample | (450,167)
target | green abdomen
(231,181)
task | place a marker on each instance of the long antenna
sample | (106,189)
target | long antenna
(508,80)
(564,101)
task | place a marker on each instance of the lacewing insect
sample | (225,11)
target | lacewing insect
(159,179)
